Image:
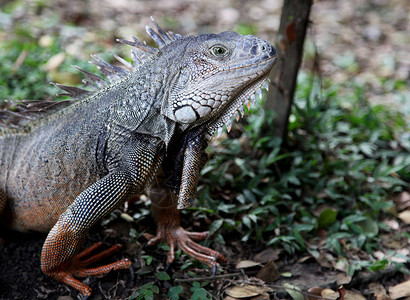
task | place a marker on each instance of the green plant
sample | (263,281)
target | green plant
(145,292)
(340,151)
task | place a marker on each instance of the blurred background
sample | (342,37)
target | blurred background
(361,40)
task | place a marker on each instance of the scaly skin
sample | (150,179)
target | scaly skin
(77,161)
(169,230)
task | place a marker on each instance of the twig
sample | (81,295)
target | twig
(207,278)
(363,278)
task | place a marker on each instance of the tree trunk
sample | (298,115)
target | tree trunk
(291,36)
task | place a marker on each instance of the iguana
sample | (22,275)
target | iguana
(65,165)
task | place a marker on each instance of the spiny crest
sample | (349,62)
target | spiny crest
(14,114)
(17,113)
(139,54)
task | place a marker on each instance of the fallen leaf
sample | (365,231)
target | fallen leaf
(19,61)
(326,259)
(400,290)
(267,255)
(293,291)
(383,297)
(394,242)
(341,265)
(329,294)
(350,295)
(245,291)
(343,278)
(127,217)
(341,294)
(45,41)
(378,290)
(269,272)
(54,62)
(314,292)
(401,256)
(243,264)
(305,258)
(393,224)
(379,255)
(402,201)
(405,216)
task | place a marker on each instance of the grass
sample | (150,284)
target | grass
(337,173)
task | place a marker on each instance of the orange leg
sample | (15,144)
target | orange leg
(170,231)
(78,266)
(59,256)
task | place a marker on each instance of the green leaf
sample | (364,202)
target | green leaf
(369,227)
(379,265)
(303,227)
(145,292)
(246,221)
(199,294)
(162,276)
(326,218)
(174,292)
(294,291)
(144,270)
(215,225)
(150,286)
(148,259)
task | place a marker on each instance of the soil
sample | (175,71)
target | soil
(21,276)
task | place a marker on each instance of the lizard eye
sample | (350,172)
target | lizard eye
(218,51)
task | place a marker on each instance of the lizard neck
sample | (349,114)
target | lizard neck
(137,104)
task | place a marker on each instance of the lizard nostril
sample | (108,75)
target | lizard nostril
(263,48)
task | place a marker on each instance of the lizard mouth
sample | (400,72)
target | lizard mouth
(235,107)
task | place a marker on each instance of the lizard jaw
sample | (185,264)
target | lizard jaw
(236,107)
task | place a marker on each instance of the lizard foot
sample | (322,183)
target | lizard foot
(185,240)
(78,266)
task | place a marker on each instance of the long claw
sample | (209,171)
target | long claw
(169,230)
(206,259)
(207,251)
(132,273)
(186,242)
(88,251)
(167,266)
(198,236)
(154,241)
(103,254)
(213,271)
(171,252)
(78,266)
(102,270)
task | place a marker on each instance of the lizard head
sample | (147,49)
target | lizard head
(220,73)
(212,76)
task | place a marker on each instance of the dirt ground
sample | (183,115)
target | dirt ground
(370,35)
(21,277)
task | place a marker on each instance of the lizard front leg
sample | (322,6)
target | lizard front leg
(59,258)
(169,230)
